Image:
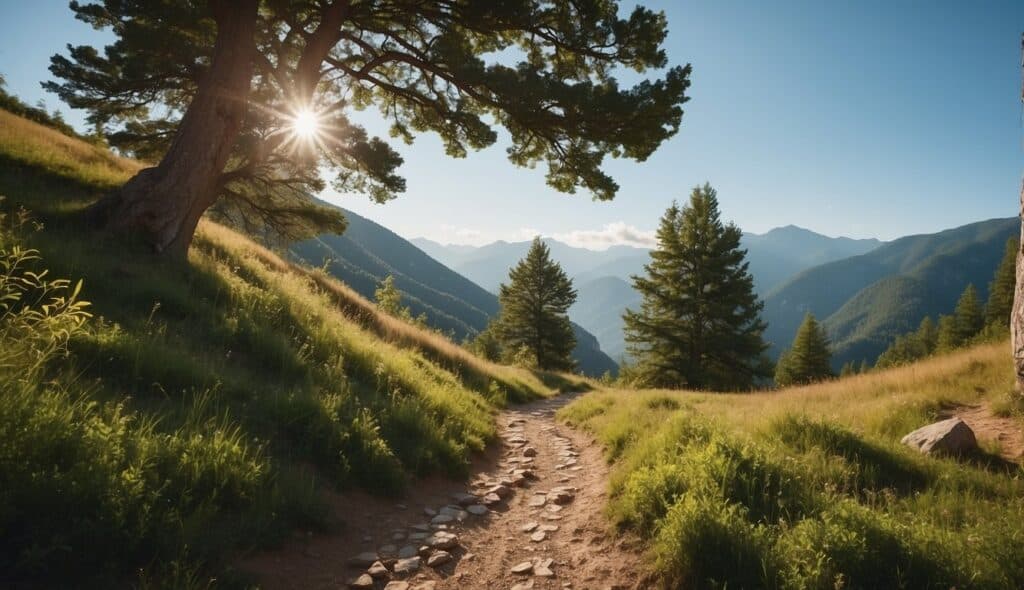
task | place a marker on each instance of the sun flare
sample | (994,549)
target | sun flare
(305,124)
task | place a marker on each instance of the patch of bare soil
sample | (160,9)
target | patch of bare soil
(989,427)
(531,518)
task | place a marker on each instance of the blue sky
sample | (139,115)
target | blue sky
(865,119)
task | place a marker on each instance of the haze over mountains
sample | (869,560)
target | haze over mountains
(865,292)
(602,278)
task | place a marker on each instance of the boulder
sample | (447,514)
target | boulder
(948,437)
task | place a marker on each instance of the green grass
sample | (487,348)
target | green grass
(809,487)
(200,409)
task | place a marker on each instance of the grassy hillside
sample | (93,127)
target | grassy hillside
(866,300)
(810,488)
(367,253)
(200,408)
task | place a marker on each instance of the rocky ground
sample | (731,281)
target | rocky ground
(530,518)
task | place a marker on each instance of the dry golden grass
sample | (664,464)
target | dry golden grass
(30,143)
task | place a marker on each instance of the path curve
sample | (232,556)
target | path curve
(532,517)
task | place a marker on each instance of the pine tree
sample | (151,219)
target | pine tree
(810,358)
(1000,290)
(388,297)
(968,316)
(699,322)
(927,336)
(219,92)
(533,322)
(948,338)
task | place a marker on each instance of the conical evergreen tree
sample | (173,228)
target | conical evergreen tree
(1000,290)
(927,336)
(948,338)
(810,358)
(968,316)
(699,322)
(533,323)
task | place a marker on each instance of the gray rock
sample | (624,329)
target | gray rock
(477,509)
(407,551)
(464,499)
(377,570)
(442,519)
(523,568)
(363,582)
(949,437)
(408,565)
(439,558)
(442,540)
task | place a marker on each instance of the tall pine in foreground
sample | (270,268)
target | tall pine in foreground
(533,324)
(810,358)
(699,322)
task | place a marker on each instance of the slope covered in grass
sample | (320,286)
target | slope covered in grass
(202,404)
(810,488)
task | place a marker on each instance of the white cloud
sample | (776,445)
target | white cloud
(613,234)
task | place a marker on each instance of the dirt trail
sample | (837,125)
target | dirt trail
(531,518)
(989,427)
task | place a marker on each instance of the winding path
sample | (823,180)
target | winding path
(531,518)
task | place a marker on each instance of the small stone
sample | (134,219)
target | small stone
(537,501)
(363,559)
(527,585)
(439,558)
(377,570)
(561,497)
(543,568)
(396,585)
(407,551)
(442,540)
(407,566)
(423,527)
(454,512)
(490,500)
(388,550)
(529,452)
(418,536)
(529,527)
(401,506)
(477,509)
(555,507)
(464,499)
(500,490)
(523,568)
(442,519)
(363,582)
(430,512)
(549,528)
(429,585)
(538,536)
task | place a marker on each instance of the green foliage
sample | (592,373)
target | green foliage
(1001,289)
(389,300)
(917,345)
(810,358)
(533,326)
(798,501)
(191,414)
(13,104)
(698,325)
(435,70)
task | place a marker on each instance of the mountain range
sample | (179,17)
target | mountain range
(602,278)
(368,252)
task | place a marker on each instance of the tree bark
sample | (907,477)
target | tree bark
(163,204)
(1017,317)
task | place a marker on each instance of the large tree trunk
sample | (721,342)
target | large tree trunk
(163,204)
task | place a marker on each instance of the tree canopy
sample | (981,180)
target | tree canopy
(699,322)
(533,325)
(545,71)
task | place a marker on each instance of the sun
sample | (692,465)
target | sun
(305,124)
